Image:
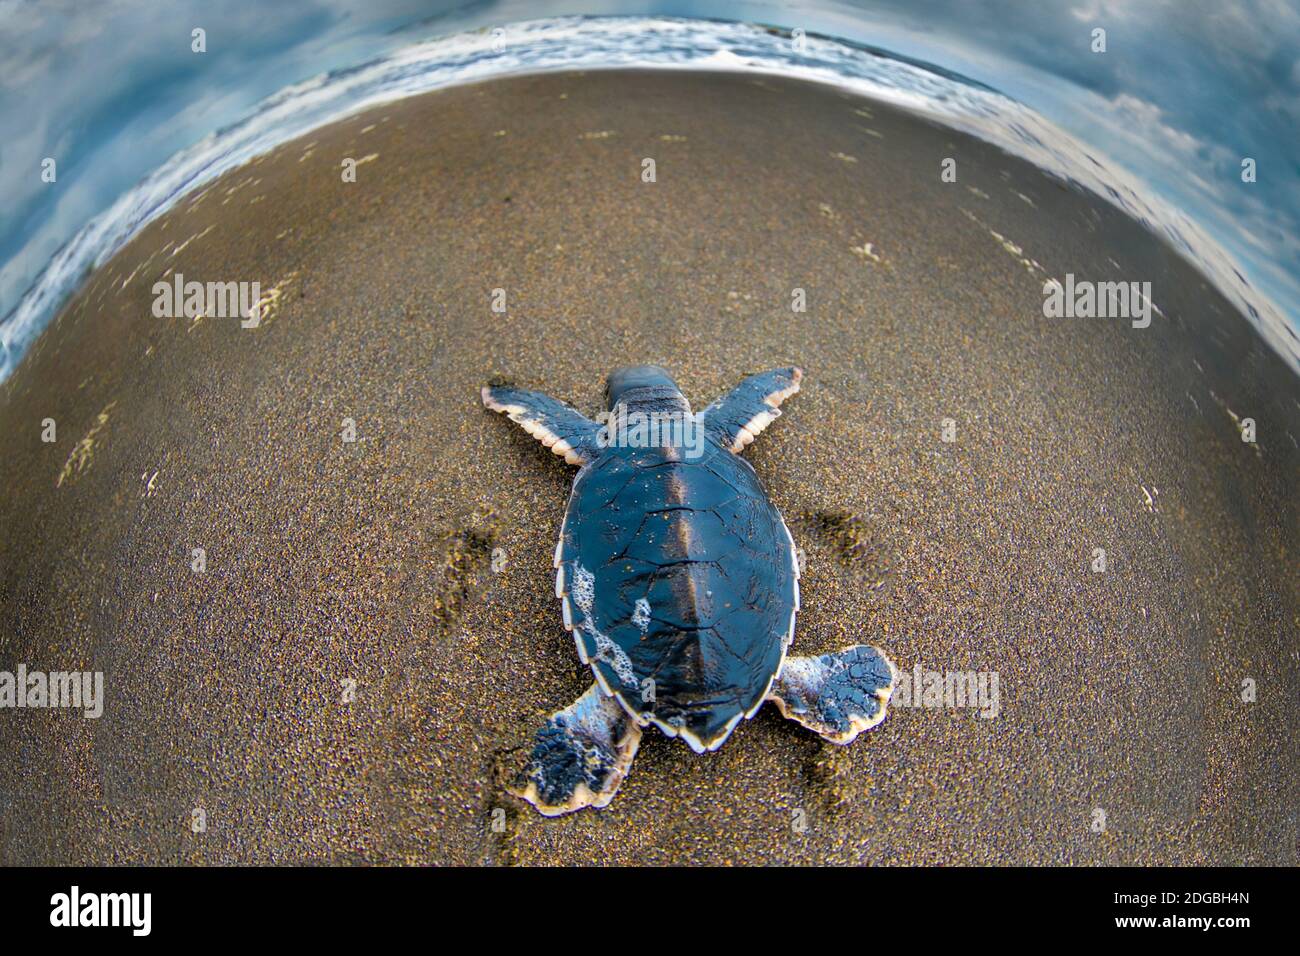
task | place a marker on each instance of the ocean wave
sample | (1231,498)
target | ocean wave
(591,43)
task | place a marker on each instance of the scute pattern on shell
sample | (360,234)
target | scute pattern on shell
(682,572)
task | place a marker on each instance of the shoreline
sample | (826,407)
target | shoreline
(550,45)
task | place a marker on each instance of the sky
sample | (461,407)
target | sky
(1184,91)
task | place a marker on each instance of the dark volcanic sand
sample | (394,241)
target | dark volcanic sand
(330,562)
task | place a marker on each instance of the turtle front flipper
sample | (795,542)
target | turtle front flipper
(838,695)
(738,417)
(580,756)
(560,427)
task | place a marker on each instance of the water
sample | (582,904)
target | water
(595,43)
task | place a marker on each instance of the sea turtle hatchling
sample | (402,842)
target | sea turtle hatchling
(679,581)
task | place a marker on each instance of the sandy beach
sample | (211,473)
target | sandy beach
(349,680)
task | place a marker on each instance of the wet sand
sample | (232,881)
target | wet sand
(370,562)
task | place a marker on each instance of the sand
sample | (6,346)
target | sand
(1121,736)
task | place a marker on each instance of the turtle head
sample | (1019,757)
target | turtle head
(641,384)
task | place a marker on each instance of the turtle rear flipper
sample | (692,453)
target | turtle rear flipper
(738,417)
(560,427)
(580,756)
(837,695)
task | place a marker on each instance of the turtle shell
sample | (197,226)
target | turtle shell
(680,585)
